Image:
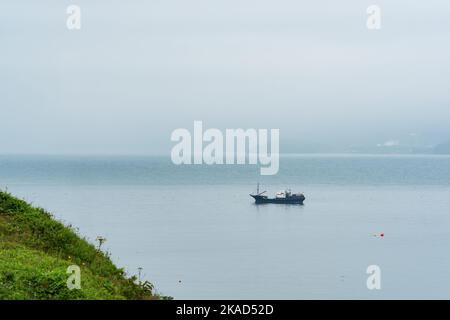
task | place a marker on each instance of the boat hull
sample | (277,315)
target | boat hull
(290,200)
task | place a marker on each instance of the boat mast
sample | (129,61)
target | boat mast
(257,188)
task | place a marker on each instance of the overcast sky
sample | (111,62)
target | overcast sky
(139,69)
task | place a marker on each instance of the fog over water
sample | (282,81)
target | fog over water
(135,72)
(87,116)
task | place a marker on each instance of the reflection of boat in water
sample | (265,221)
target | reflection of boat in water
(281,197)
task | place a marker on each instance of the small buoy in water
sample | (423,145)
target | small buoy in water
(381,234)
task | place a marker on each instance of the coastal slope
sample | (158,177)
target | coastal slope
(36,251)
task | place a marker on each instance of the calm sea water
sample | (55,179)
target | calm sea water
(197,234)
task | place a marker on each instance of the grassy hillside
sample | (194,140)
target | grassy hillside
(35,251)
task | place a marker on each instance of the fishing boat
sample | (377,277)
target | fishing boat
(286,197)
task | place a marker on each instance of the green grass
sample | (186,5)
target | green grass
(36,250)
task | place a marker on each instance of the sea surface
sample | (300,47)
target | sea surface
(198,235)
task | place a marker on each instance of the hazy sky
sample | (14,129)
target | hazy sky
(139,69)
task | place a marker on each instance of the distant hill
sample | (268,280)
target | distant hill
(443,148)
